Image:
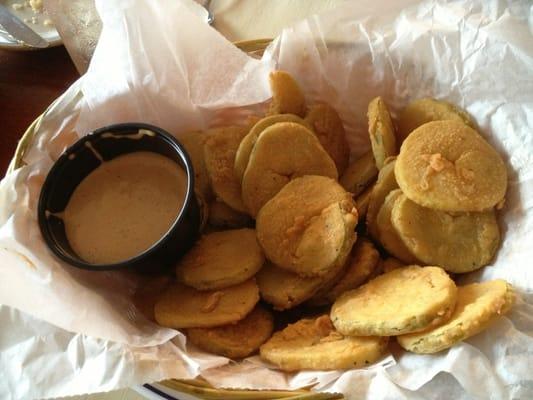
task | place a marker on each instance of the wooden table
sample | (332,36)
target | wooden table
(29,82)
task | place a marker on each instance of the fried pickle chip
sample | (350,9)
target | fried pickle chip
(421,111)
(385,184)
(363,263)
(457,242)
(315,345)
(328,127)
(287,97)
(194,144)
(235,340)
(285,289)
(247,144)
(478,305)
(223,216)
(306,226)
(219,153)
(336,274)
(362,201)
(387,235)
(408,299)
(282,152)
(184,307)
(221,259)
(360,266)
(359,174)
(448,166)
(147,294)
(381,131)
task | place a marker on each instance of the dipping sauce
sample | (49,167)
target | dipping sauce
(124,207)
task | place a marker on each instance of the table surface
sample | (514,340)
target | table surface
(29,82)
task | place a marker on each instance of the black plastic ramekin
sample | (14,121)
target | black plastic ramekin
(82,158)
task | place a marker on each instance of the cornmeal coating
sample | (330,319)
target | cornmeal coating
(308,225)
(421,111)
(478,305)
(457,242)
(221,259)
(287,97)
(314,344)
(184,307)
(219,153)
(448,166)
(235,340)
(404,300)
(381,131)
(283,152)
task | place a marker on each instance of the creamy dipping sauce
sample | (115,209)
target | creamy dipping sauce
(124,207)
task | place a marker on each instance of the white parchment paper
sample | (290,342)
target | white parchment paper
(76,331)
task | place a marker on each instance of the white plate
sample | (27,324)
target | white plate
(49,33)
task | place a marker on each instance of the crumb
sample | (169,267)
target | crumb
(17,6)
(48,22)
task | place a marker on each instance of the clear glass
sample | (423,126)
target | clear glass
(79,26)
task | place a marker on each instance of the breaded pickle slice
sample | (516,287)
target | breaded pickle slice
(221,259)
(314,344)
(381,131)
(404,300)
(219,153)
(448,166)
(387,235)
(478,304)
(283,151)
(287,97)
(247,144)
(235,340)
(194,144)
(457,242)
(285,289)
(223,216)
(328,127)
(421,111)
(304,227)
(362,263)
(184,307)
(337,273)
(359,174)
(385,184)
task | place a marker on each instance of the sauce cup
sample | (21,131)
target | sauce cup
(87,154)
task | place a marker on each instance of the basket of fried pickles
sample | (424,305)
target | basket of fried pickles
(318,263)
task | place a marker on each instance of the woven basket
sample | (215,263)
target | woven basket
(196,387)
